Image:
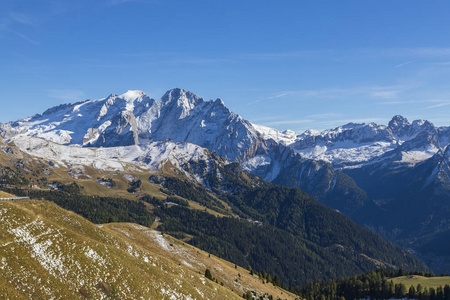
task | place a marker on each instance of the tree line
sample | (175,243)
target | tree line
(376,284)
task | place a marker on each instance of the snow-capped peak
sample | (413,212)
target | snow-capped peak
(132,95)
(398,123)
(134,118)
(181,98)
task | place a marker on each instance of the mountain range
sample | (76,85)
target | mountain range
(391,179)
(180,116)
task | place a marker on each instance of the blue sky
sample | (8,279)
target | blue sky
(285,64)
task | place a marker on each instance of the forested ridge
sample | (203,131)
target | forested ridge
(96,209)
(296,230)
(376,284)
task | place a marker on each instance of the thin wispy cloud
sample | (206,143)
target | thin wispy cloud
(399,102)
(442,63)
(14,23)
(24,37)
(356,121)
(419,52)
(143,54)
(21,18)
(379,92)
(276,123)
(199,61)
(324,116)
(353,53)
(118,2)
(66,95)
(279,95)
(171,58)
(271,118)
(402,64)
(285,55)
(441,104)
(430,103)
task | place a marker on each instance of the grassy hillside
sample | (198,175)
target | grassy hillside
(5,195)
(414,280)
(58,254)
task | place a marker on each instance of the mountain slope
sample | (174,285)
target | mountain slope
(60,255)
(302,232)
(413,205)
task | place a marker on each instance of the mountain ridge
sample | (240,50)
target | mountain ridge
(337,166)
(133,118)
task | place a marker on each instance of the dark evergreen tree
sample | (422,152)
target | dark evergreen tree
(208,274)
(412,292)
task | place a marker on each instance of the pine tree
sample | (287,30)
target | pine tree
(276,280)
(248,295)
(447,292)
(208,274)
(412,292)
(250,270)
(440,293)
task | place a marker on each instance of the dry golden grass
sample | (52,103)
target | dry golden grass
(6,195)
(236,279)
(48,252)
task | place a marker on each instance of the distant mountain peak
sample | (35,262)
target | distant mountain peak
(181,96)
(133,94)
(219,101)
(398,121)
